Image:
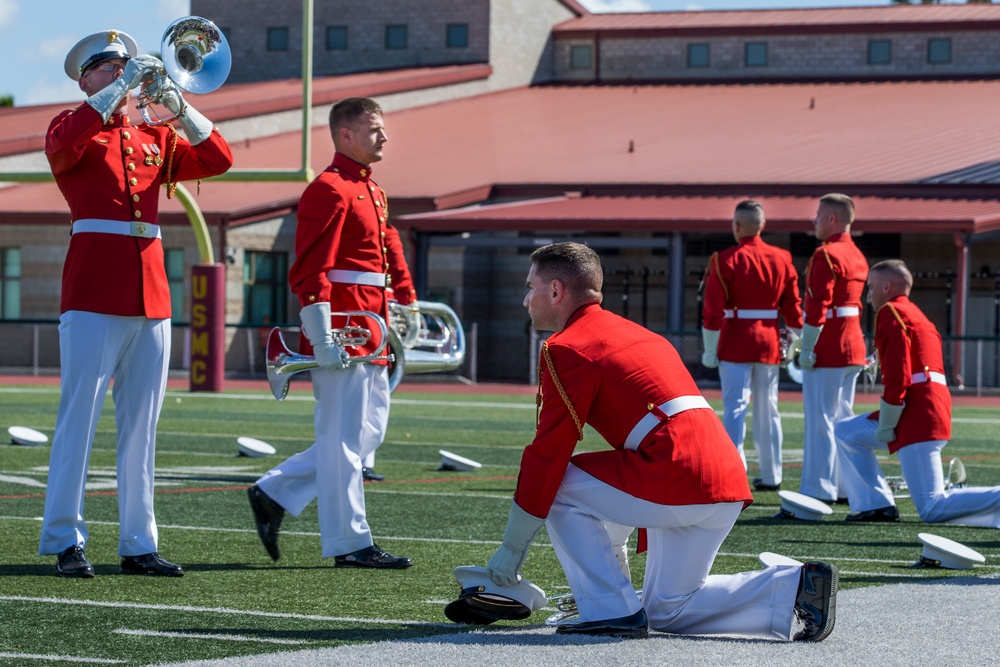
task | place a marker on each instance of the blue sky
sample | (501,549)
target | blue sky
(38,33)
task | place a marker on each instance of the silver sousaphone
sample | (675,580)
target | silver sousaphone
(196,58)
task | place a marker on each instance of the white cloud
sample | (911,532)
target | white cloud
(606,6)
(46,92)
(8,10)
(56,47)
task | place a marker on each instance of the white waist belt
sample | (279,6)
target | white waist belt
(356,277)
(932,376)
(843,311)
(145,230)
(652,420)
(750,314)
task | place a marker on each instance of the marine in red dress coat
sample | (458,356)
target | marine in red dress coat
(113,171)
(909,345)
(612,384)
(341,221)
(835,278)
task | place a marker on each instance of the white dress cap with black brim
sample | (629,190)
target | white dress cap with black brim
(770,559)
(95,49)
(253,447)
(451,461)
(941,552)
(482,602)
(800,506)
(22,435)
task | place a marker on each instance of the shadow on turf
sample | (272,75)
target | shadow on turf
(49,569)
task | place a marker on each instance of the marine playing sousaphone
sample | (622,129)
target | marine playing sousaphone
(196,58)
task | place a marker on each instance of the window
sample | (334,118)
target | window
(698,55)
(581,56)
(939,51)
(277,39)
(265,288)
(336,37)
(173,259)
(395,36)
(457,35)
(879,52)
(10,283)
(755,54)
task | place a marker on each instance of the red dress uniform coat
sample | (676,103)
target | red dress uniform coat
(908,343)
(751,276)
(611,369)
(341,220)
(399,271)
(836,277)
(103,172)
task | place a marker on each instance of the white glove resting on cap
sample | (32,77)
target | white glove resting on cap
(807,358)
(107,99)
(710,354)
(505,564)
(888,419)
(316,327)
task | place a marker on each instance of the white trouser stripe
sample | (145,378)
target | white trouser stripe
(144,230)
(356,277)
(651,420)
(932,376)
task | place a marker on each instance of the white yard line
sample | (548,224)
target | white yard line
(213,637)
(60,658)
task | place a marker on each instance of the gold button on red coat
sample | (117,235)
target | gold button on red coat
(128,150)
(131,166)
(126,135)
(135,197)
(133,181)
(138,214)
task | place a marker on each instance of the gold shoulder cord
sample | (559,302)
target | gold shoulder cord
(171,186)
(898,317)
(829,262)
(718,274)
(559,387)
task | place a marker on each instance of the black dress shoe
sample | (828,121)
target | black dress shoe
(373,557)
(268,515)
(152,564)
(72,563)
(816,601)
(626,627)
(887,514)
(759,485)
(370,475)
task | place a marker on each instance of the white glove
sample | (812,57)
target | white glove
(197,128)
(888,418)
(505,564)
(710,353)
(316,327)
(107,99)
(807,358)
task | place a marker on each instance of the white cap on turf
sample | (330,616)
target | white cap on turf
(770,559)
(451,461)
(799,506)
(253,447)
(941,552)
(482,601)
(22,435)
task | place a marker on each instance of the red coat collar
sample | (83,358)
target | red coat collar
(345,165)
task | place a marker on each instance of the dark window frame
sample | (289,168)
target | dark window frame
(392,33)
(277,38)
(341,42)
(694,51)
(456,36)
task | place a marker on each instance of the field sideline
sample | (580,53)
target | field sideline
(235,603)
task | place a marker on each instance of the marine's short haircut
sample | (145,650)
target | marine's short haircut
(346,113)
(750,211)
(842,204)
(897,269)
(576,265)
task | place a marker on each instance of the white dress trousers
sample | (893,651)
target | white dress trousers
(678,594)
(741,384)
(350,418)
(924,475)
(827,398)
(94,348)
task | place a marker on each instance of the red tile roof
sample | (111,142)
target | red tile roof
(889,18)
(863,138)
(705,214)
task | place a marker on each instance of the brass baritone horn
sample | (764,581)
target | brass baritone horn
(282,363)
(196,59)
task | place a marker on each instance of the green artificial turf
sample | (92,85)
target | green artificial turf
(235,601)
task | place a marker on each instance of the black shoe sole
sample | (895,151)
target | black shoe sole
(76,575)
(370,566)
(261,517)
(153,573)
(831,611)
